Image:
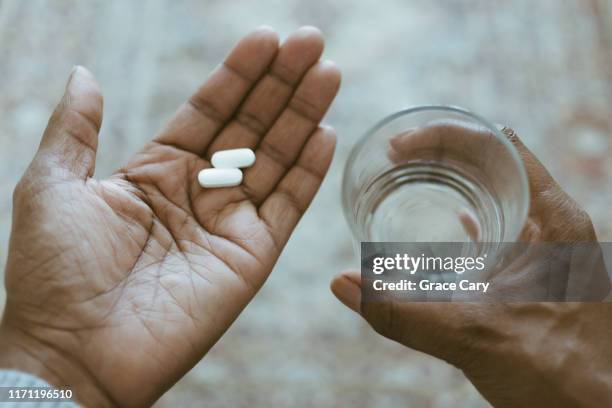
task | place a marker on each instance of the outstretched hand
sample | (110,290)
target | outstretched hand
(118,287)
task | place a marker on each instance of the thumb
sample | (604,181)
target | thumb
(69,144)
(347,288)
(385,317)
(444,330)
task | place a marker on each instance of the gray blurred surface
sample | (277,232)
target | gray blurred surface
(543,67)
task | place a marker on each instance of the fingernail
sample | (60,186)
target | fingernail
(73,73)
(74,69)
(265,27)
(310,29)
(348,292)
(328,130)
(80,80)
(327,63)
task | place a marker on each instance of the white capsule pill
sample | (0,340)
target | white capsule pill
(236,158)
(211,178)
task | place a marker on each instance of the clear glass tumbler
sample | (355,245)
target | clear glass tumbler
(435,174)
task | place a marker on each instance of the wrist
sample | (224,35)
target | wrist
(584,360)
(27,353)
(551,362)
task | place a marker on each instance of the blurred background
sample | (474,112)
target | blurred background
(544,68)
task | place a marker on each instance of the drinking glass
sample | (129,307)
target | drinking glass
(435,174)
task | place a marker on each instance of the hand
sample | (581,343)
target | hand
(118,287)
(516,354)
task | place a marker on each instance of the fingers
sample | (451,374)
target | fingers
(282,145)
(551,209)
(269,97)
(439,140)
(347,288)
(284,207)
(539,178)
(69,144)
(197,122)
(548,202)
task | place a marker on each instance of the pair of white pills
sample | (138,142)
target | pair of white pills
(226,171)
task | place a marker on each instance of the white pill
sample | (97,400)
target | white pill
(236,158)
(211,178)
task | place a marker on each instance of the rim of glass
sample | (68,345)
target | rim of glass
(360,143)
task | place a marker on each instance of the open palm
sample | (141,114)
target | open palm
(118,287)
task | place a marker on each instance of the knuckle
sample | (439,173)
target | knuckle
(80,125)
(56,116)
(587,226)
(571,213)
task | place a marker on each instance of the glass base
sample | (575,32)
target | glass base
(427,202)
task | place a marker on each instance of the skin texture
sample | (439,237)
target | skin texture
(118,287)
(516,354)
